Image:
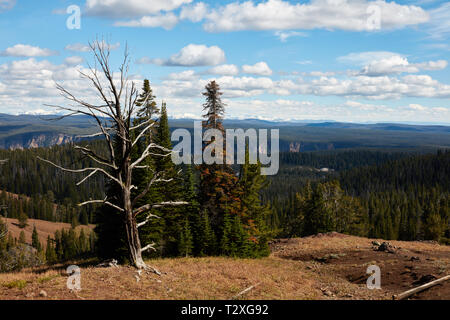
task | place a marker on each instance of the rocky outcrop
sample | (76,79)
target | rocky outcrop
(35,140)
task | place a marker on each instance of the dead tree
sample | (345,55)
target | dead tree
(114,119)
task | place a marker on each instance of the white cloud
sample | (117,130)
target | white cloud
(319,74)
(29,84)
(194,13)
(79,47)
(6,5)
(24,50)
(191,55)
(364,58)
(418,107)
(225,69)
(260,68)
(74,60)
(386,63)
(183,76)
(131,8)
(439,26)
(166,21)
(350,15)
(284,35)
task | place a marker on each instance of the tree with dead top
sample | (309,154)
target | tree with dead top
(114,117)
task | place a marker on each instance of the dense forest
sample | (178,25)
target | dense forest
(406,199)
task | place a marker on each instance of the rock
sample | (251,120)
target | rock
(43,294)
(376,243)
(425,279)
(414,259)
(109,264)
(386,247)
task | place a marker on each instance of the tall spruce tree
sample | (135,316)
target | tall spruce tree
(35,239)
(219,193)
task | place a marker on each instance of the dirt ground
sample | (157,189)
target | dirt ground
(410,265)
(331,266)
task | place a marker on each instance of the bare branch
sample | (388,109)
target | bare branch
(101,202)
(148,207)
(142,133)
(83,170)
(94,156)
(149,247)
(147,153)
(147,219)
(154,180)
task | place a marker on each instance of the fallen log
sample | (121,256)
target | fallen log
(411,292)
(245,291)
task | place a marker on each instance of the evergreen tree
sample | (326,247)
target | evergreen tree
(219,192)
(186,241)
(23,220)
(22,237)
(50,253)
(35,239)
(204,237)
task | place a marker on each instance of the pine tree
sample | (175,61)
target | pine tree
(253,214)
(219,192)
(23,220)
(204,237)
(50,253)
(186,241)
(35,239)
(22,237)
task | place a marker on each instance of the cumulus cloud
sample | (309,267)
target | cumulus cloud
(24,50)
(130,8)
(386,63)
(74,60)
(166,21)
(29,84)
(225,69)
(260,68)
(350,15)
(194,13)
(398,64)
(186,75)
(192,55)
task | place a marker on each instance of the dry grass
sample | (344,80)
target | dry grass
(291,272)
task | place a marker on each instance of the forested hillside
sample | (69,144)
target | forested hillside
(406,199)
(43,185)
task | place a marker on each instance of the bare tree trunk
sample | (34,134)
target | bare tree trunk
(134,243)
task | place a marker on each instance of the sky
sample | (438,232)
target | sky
(342,60)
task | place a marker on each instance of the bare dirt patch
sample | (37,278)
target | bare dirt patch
(407,266)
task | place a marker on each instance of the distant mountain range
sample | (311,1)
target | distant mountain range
(31,131)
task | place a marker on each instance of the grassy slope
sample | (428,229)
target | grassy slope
(291,272)
(44,229)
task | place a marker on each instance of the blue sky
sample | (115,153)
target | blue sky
(344,60)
